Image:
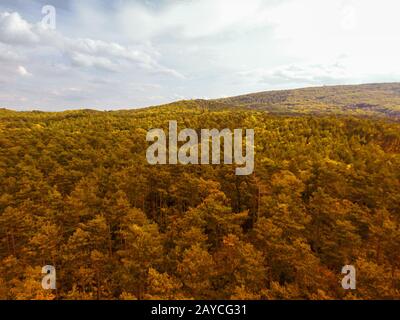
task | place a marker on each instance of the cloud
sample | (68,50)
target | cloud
(15,30)
(110,50)
(84,60)
(8,54)
(82,52)
(307,74)
(191,19)
(21,70)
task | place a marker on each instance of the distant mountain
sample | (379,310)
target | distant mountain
(366,100)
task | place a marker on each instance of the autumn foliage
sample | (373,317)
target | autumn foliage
(76,192)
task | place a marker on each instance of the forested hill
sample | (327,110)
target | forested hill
(77,192)
(365,100)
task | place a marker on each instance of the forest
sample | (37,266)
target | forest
(372,100)
(77,193)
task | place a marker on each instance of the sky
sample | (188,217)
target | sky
(122,54)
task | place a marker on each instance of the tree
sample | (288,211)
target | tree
(238,264)
(87,257)
(196,270)
(162,286)
(142,249)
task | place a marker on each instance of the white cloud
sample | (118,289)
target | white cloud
(15,30)
(82,52)
(298,74)
(21,70)
(111,51)
(84,60)
(191,19)
(8,54)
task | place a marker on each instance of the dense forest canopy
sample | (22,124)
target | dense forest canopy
(76,192)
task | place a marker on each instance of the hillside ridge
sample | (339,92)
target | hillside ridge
(373,100)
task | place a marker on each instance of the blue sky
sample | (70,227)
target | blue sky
(128,54)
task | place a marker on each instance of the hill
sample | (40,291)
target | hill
(77,192)
(363,100)
(366,100)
